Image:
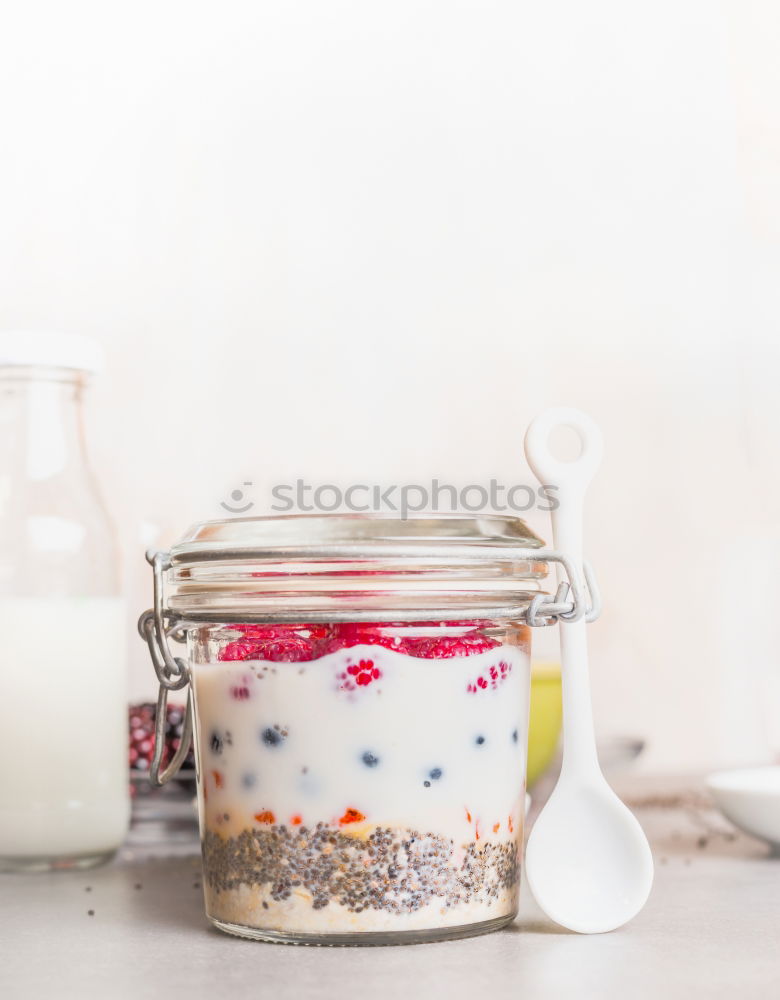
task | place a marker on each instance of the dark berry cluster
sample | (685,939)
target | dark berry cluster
(142,720)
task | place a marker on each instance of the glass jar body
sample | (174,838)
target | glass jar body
(63,756)
(361,783)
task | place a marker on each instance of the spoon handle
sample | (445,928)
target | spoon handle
(570,481)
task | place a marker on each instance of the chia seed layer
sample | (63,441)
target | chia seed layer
(391,870)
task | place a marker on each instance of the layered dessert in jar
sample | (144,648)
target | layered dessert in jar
(361,780)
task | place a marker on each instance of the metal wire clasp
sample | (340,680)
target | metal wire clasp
(571,601)
(172,673)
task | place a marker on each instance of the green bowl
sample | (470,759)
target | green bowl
(544,727)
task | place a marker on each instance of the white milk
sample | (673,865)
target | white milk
(63,728)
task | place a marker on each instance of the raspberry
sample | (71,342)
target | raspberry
(316,633)
(444,647)
(241,692)
(359,675)
(437,647)
(364,634)
(278,643)
(237,651)
(491,677)
(289,648)
(364,672)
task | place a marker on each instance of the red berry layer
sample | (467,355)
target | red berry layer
(300,643)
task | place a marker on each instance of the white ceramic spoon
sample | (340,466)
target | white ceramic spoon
(588,862)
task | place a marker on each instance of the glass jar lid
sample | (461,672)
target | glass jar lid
(355,568)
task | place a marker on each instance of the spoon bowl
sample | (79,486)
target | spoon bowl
(588,862)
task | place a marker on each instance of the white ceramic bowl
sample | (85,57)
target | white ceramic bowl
(750,798)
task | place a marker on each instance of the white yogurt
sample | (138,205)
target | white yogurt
(63,728)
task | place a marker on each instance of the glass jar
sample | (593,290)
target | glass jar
(360,689)
(63,749)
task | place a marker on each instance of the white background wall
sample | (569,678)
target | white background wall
(356,241)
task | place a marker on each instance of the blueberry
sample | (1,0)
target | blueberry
(435,773)
(272,737)
(427,784)
(217,742)
(249,780)
(479,740)
(514,736)
(370,759)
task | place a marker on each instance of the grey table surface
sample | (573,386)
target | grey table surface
(710,929)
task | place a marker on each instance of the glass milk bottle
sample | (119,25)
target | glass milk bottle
(63,743)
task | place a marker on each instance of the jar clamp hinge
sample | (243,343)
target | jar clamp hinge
(172,673)
(571,600)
